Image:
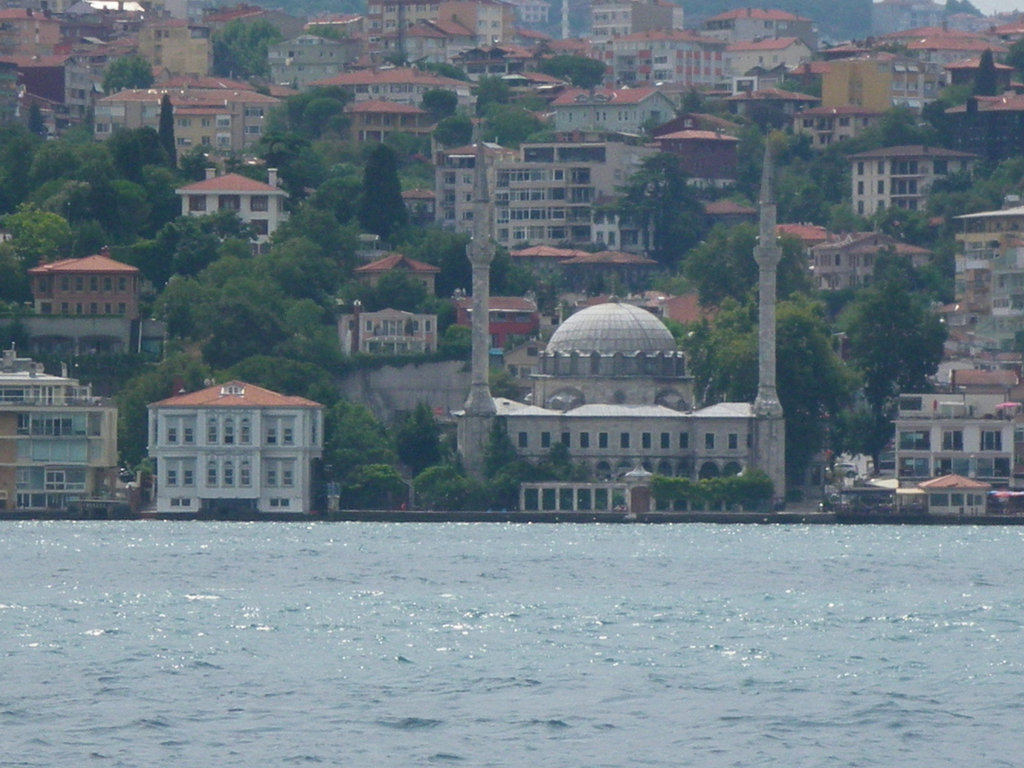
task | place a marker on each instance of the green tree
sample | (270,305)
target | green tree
(440,103)
(418,439)
(167,130)
(658,200)
(127,72)
(491,90)
(510,125)
(454,131)
(581,71)
(353,438)
(374,486)
(985,81)
(381,208)
(445,487)
(896,342)
(36,235)
(240,48)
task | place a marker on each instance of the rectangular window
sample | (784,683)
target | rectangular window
(172,434)
(211,430)
(187,478)
(684,440)
(915,440)
(602,439)
(271,476)
(545,439)
(229,473)
(624,440)
(287,478)
(172,477)
(245,474)
(287,436)
(211,473)
(584,439)
(189,436)
(645,439)
(666,440)
(734,441)
(259,203)
(709,440)
(953,440)
(271,435)
(991,440)
(523,440)
(229,431)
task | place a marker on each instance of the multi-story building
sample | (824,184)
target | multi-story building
(950,47)
(991,126)
(453,182)
(900,177)
(618,18)
(58,443)
(627,110)
(257,204)
(888,16)
(956,433)
(25,32)
(746,55)
(670,56)
(709,157)
(826,125)
(375,121)
(93,285)
(849,262)
(509,318)
(307,58)
(177,46)
(221,119)
(989,276)
(235,449)
(419,271)
(749,24)
(387,332)
(532,11)
(399,84)
(546,196)
(880,81)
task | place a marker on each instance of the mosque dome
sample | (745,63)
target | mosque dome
(612,327)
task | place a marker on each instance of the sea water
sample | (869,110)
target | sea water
(143,644)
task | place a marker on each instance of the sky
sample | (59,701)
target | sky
(998,6)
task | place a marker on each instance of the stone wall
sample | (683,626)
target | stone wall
(392,391)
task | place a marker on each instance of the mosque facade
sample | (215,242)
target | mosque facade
(613,387)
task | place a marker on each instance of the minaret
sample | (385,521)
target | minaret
(478,413)
(769,426)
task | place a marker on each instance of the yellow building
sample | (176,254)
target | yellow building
(178,47)
(880,82)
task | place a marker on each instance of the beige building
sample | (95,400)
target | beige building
(221,119)
(307,58)
(546,196)
(453,182)
(880,82)
(670,56)
(375,121)
(749,24)
(901,177)
(387,332)
(849,262)
(177,46)
(743,56)
(257,204)
(617,18)
(58,443)
(828,125)
(404,85)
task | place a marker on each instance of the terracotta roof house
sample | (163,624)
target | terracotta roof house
(729,212)
(955,496)
(510,316)
(374,121)
(625,110)
(235,449)
(398,262)
(399,84)
(828,125)
(849,262)
(257,204)
(709,157)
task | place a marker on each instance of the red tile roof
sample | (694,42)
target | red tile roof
(728,208)
(96,263)
(237,394)
(697,135)
(912,150)
(616,97)
(766,14)
(231,182)
(544,252)
(609,257)
(771,44)
(397,261)
(953,481)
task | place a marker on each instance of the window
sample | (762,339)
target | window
(271,435)
(189,436)
(172,477)
(523,440)
(197,202)
(172,434)
(244,433)
(288,436)
(684,440)
(271,476)
(991,440)
(952,440)
(545,439)
(211,473)
(914,440)
(565,439)
(245,474)
(645,439)
(229,431)
(584,439)
(229,473)
(734,441)
(287,477)
(602,439)
(187,478)
(211,430)
(259,203)
(709,440)
(666,440)
(624,439)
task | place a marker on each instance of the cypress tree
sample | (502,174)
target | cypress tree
(985,83)
(167,130)
(381,208)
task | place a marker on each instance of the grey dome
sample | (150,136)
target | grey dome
(610,328)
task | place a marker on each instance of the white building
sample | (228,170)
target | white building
(235,449)
(256,203)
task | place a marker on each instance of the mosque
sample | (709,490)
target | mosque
(613,386)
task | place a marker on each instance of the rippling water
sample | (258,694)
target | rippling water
(152,644)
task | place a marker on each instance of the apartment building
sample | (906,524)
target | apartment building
(177,46)
(901,177)
(749,24)
(628,110)
(546,196)
(618,18)
(453,182)
(58,443)
(881,81)
(667,56)
(304,59)
(387,332)
(221,119)
(257,204)
(828,125)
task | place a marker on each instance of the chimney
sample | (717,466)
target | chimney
(211,173)
(105,251)
(272,176)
